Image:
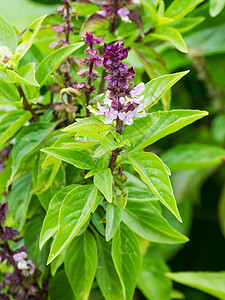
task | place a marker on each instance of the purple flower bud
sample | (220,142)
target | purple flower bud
(61,8)
(90,40)
(53,44)
(59,28)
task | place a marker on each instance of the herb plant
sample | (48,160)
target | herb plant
(85,95)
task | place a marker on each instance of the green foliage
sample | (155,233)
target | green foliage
(95,200)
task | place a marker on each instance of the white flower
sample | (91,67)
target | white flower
(137,91)
(123,13)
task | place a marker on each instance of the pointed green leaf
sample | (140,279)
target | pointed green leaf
(79,159)
(157,87)
(53,60)
(107,278)
(103,181)
(113,219)
(19,198)
(13,122)
(25,75)
(28,38)
(144,218)
(127,259)
(180,8)
(209,282)
(8,36)
(59,287)
(159,124)
(75,211)
(154,173)
(50,224)
(171,35)
(216,6)
(152,280)
(81,264)
(57,262)
(28,139)
(92,124)
(193,156)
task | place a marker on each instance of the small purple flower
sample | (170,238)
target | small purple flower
(90,40)
(123,13)
(59,28)
(9,234)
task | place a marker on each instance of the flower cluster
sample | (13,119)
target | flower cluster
(20,284)
(65,28)
(114,8)
(121,101)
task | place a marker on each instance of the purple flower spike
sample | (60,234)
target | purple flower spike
(122,99)
(90,40)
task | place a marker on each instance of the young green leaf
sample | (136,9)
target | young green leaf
(50,224)
(180,8)
(83,9)
(75,211)
(81,264)
(93,124)
(53,60)
(171,35)
(154,173)
(8,37)
(193,156)
(57,262)
(93,22)
(25,75)
(127,259)
(144,218)
(209,282)
(103,181)
(157,87)
(113,219)
(106,275)
(216,6)
(10,124)
(152,280)
(79,159)
(27,141)
(19,198)
(28,39)
(148,130)
(9,92)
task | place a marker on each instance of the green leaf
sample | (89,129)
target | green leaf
(180,8)
(27,141)
(95,21)
(193,156)
(106,146)
(221,211)
(10,124)
(152,280)
(103,181)
(208,282)
(127,259)
(25,75)
(157,87)
(150,6)
(59,287)
(19,198)
(79,159)
(154,173)
(84,9)
(75,211)
(216,6)
(158,125)
(144,218)
(187,24)
(53,60)
(93,125)
(113,219)
(50,224)
(171,35)
(9,92)
(107,278)
(57,262)
(28,39)
(81,264)
(8,36)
